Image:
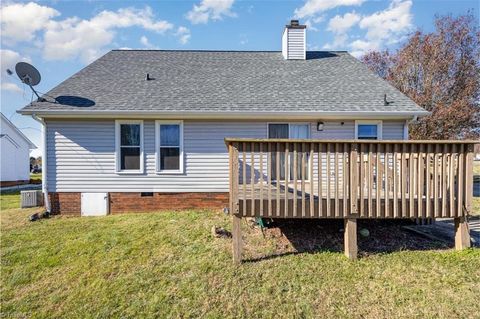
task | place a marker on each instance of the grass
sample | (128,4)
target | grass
(168,265)
(36,177)
(476,168)
(9,200)
(476,206)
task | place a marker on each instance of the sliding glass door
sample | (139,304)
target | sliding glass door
(292,131)
(278,131)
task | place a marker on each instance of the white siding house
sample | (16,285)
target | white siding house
(153,137)
(15,153)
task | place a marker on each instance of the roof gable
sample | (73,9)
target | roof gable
(6,121)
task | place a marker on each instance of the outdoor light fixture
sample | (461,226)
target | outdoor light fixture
(320,126)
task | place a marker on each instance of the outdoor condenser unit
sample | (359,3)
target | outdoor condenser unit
(32,198)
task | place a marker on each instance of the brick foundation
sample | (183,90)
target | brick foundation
(13,183)
(134,202)
(69,203)
(65,203)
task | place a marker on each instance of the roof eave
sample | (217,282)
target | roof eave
(258,115)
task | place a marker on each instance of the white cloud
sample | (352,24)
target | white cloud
(210,10)
(86,39)
(183,35)
(73,37)
(339,24)
(360,47)
(20,22)
(385,27)
(311,22)
(12,87)
(8,60)
(371,32)
(310,25)
(397,19)
(146,43)
(312,7)
(128,17)
(339,42)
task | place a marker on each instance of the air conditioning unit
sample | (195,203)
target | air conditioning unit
(32,198)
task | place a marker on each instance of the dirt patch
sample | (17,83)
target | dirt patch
(308,236)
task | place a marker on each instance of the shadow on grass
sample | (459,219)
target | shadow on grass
(313,236)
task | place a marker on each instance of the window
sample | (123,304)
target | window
(277,130)
(368,130)
(169,145)
(293,131)
(129,146)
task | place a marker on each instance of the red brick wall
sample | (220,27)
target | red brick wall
(65,203)
(133,202)
(69,203)
(12,183)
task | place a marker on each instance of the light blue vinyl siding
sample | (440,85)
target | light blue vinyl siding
(81,154)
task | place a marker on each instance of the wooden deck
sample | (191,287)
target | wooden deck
(350,179)
(364,179)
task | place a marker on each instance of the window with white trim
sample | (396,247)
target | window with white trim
(368,130)
(169,146)
(129,146)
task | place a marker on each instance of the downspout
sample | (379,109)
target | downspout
(44,162)
(405,127)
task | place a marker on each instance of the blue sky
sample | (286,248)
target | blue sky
(61,37)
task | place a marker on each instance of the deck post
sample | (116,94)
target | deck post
(234,203)
(350,241)
(237,239)
(462,236)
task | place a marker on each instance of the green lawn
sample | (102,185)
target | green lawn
(36,176)
(168,265)
(9,200)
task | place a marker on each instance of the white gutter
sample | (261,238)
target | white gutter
(44,162)
(225,114)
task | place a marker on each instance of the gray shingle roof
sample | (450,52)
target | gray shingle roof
(224,81)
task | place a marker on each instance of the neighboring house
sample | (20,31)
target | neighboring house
(15,154)
(145,128)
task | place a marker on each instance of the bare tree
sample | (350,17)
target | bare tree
(440,71)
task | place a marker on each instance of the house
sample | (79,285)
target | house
(142,130)
(15,154)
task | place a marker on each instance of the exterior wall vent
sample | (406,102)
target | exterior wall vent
(294,40)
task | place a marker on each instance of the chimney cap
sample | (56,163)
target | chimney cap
(294,24)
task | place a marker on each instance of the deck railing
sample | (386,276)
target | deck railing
(280,178)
